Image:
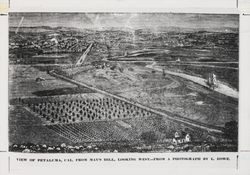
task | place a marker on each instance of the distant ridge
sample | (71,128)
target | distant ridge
(156,30)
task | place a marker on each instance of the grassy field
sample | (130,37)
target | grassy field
(169,93)
(27,128)
(148,134)
(22,81)
(133,77)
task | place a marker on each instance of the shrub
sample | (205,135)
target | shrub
(149,137)
(231,130)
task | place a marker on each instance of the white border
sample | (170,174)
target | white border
(177,6)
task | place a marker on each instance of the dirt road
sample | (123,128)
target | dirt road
(222,88)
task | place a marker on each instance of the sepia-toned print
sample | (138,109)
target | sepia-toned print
(123,82)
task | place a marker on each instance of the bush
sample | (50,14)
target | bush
(231,130)
(149,137)
(130,69)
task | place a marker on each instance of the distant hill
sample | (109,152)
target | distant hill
(32,29)
(158,29)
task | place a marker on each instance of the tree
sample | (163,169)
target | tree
(231,130)
(149,137)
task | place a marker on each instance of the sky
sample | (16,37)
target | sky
(126,20)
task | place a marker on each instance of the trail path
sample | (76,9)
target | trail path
(222,88)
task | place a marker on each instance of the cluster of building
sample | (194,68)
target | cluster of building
(63,45)
(117,42)
(180,138)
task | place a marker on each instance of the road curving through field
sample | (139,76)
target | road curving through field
(222,88)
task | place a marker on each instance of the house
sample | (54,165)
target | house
(181,138)
(39,79)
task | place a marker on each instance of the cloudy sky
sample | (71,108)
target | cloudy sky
(126,20)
